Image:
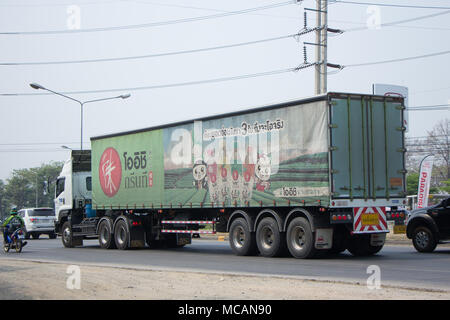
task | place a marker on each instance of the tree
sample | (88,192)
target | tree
(412,183)
(25,188)
(3,211)
(439,143)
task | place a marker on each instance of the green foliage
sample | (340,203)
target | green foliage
(412,183)
(446,186)
(26,187)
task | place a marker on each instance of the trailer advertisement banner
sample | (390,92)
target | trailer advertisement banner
(277,156)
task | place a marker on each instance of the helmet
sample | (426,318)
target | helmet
(13,211)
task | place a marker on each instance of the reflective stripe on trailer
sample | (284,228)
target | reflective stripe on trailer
(187,231)
(187,222)
(359,226)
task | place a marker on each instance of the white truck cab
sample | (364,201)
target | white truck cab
(73,190)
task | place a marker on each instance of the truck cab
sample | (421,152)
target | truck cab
(73,190)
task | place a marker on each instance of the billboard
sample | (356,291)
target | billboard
(275,156)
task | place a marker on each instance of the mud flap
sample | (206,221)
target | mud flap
(377,239)
(324,238)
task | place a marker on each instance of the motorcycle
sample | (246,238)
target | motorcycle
(15,241)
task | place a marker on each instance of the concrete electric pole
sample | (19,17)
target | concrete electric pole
(321,46)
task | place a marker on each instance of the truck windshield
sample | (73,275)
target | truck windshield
(41,213)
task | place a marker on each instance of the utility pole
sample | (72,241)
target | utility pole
(321,46)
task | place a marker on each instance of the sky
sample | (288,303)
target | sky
(33,127)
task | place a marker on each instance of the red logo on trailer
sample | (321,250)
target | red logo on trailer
(110,172)
(369,220)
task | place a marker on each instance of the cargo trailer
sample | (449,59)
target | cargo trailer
(300,177)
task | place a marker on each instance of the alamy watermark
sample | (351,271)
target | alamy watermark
(374,280)
(73,21)
(374,17)
(73,281)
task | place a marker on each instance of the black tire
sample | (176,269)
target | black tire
(52,235)
(35,235)
(66,235)
(27,235)
(18,246)
(300,239)
(121,235)
(105,235)
(424,239)
(270,241)
(242,241)
(151,242)
(359,246)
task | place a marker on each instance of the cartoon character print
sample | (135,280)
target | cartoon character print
(247,182)
(262,173)
(199,171)
(213,185)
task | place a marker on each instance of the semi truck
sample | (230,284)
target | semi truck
(302,177)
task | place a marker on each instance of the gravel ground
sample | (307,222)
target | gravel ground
(48,281)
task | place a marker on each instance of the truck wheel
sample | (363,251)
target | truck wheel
(52,235)
(66,235)
(359,246)
(300,239)
(423,239)
(242,241)
(105,236)
(121,235)
(270,240)
(35,235)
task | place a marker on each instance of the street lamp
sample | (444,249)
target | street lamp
(82,103)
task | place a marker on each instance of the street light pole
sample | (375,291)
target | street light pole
(82,103)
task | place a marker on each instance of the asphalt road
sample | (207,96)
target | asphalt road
(399,265)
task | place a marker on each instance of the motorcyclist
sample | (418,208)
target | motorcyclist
(11,224)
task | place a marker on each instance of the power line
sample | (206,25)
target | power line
(390,5)
(153,55)
(430,108)
(152,24)
(394,23)
(172,85)
(399,59)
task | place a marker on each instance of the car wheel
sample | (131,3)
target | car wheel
(424,240)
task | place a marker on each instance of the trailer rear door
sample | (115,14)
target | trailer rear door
(367,147)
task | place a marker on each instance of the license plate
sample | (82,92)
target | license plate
(370,219)
(400,229)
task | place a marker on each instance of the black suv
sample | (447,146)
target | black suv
(429,226)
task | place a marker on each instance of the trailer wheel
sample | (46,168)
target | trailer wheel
(242,241)
(105,236)
(300,239)
(121,235)
(271,242)
(359,246)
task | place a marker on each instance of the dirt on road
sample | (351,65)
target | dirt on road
(51,281)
